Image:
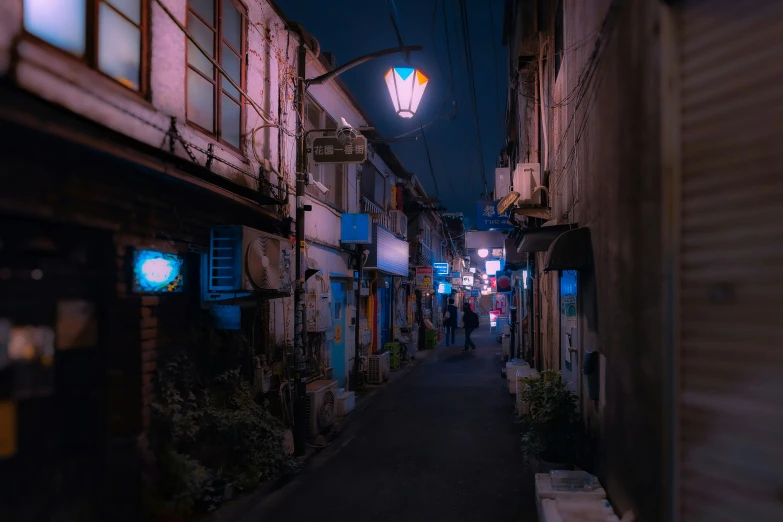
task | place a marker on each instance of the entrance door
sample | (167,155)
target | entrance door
(338,324)
(384,298)
(569,341)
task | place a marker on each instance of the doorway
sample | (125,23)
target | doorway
(338,324)
(569,331)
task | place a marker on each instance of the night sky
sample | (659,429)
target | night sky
(352,28)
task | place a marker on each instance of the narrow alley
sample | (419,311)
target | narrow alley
(441,444)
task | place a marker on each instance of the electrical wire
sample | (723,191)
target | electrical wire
(472,83)
(501,113)
(591,77)
(429,160)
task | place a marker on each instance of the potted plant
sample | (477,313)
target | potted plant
(552,431)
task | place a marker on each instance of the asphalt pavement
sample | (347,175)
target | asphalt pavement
(438,445)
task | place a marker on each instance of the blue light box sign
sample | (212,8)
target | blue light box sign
(441,268)
(356,228)
(444,288)
(157,272)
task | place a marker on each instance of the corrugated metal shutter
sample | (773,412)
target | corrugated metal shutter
(730,400)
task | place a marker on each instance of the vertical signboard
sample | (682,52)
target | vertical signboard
(423,278)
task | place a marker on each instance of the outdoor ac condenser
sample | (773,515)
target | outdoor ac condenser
(321,406)
(245,259)
(379,367)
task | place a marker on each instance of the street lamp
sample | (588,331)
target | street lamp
(345,134)
(406,87)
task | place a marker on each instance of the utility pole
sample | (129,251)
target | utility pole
(300,355)
(357,351)
(357,347)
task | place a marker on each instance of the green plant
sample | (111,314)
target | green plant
(552,431)
(208,431)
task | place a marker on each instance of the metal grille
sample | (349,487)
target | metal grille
(730,341)
(374,367)
(224,263)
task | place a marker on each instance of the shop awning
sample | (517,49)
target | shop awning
(539,239)
(388,254)
(571,250)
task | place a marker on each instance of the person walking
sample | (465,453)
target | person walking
(470,320)
(450,321)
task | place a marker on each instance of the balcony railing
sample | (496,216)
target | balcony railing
(426,255)
(378,215)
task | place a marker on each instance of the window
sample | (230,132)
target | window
(106,34)
(332,175)
(379,195)
(214,105)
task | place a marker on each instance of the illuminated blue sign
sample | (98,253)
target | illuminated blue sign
(441,268)
(488,218)
(355,228)
(444,288)
(157,272)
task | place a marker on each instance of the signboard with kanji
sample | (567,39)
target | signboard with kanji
(328,149)
(424,278)
(488,217)
(441,268)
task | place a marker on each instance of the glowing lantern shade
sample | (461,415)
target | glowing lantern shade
(406,87)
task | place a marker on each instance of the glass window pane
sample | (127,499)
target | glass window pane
(60,23)
(330,123)
(197,59)
(313,116)
(206,38)
(233,66)
(119,47)
(205,9)
(230,121)
(201,101)
(130,8)
(232,24)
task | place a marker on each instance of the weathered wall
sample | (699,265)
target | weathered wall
(603,159)
(76,186)
(68,82)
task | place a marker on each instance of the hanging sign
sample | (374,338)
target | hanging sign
(467,279)
(441,268)
(423,278)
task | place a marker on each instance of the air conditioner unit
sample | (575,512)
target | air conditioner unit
(527,176)
(210,299)
(502,182)
(379,367)
(318,312)
(244,259)
(399,222)
(321,406)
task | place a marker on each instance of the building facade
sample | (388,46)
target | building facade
(626,108)
(135,132)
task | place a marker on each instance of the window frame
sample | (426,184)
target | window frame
(217,85)
(325,121)
(91,44)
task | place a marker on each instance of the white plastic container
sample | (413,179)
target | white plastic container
(511,373)
(346,402)
(522,407)
(565,510)
(544,492)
